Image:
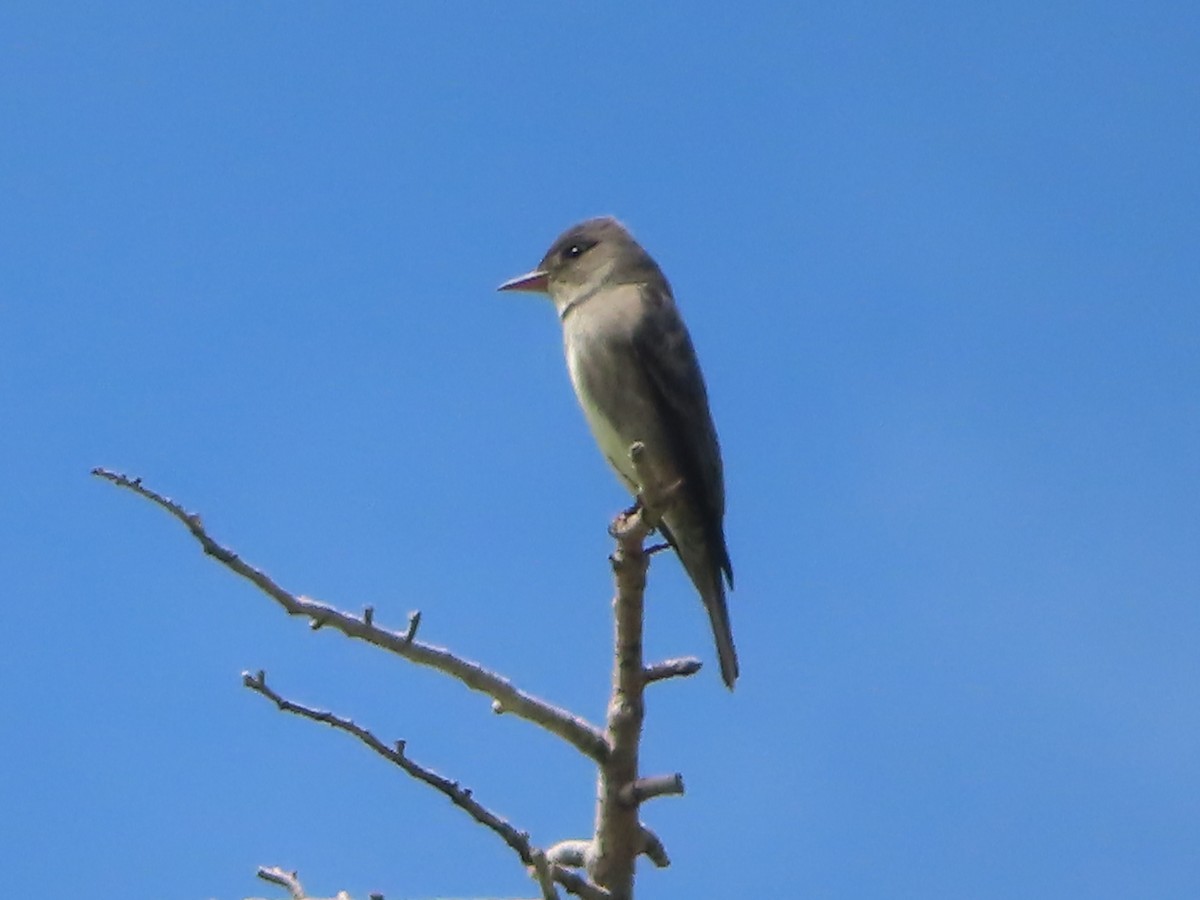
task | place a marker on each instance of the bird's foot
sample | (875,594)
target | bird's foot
(654,505)
(621,523)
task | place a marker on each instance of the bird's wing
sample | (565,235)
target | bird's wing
(665,354)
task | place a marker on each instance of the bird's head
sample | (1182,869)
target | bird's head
(584,258)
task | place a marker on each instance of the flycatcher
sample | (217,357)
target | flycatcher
(636,376)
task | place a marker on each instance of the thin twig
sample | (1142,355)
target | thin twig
(654,849)
(647,788)
(458,795)
(582,735)
(671,668)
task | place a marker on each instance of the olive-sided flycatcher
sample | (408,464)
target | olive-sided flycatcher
(636,376)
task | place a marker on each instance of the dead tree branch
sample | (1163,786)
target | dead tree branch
(671,668)
(288,880)
(395,753)
(619,837)
(291,883)
(545,871)
(582,735)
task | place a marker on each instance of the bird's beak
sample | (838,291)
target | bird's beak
(536,281)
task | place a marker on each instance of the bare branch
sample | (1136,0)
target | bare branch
(619,837)
(647,788)
(458,795)
(570,853)
(287,880)
(582,735)
(544,876)
(654,849)
(671,668)
(543,872)
(580,886)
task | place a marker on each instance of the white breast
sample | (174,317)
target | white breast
(615,447)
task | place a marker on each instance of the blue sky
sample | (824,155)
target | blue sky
(940,265)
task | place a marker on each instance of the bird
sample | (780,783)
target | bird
(635,373)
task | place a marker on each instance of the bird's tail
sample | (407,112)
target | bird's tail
(704,569)
(718,616)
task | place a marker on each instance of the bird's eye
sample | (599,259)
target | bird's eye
(575,250)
